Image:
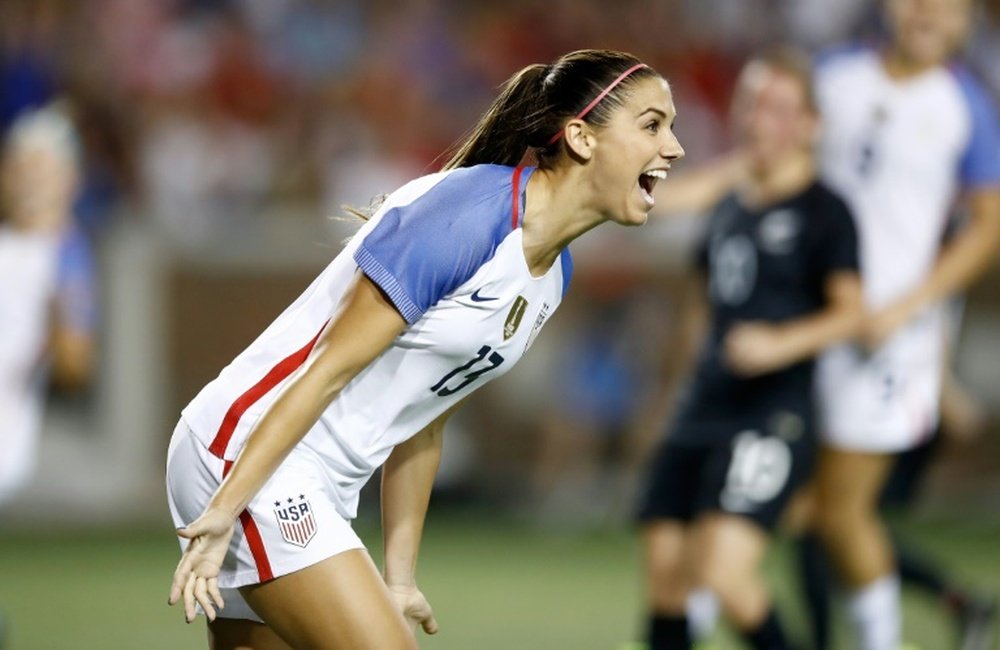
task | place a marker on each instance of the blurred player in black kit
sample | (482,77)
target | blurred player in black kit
(782,260)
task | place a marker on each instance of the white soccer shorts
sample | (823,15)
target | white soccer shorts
(887,401)
(289,525)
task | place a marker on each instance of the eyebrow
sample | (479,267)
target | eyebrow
(653,110)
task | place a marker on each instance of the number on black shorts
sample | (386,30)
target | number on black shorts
(757,472)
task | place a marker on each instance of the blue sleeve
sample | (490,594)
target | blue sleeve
(76,292)
(567,269)
(420,252)
(980,165)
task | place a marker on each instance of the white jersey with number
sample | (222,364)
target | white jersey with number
(447,250)
(899,152)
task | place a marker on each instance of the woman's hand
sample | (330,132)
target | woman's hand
(755,348)
(196,576)
(881,324)
(415,608)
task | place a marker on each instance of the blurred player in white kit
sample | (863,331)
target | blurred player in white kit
(906,134)
(47,302)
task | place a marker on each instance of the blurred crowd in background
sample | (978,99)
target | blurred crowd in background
(198,117)
(197,111)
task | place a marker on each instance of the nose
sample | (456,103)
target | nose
(672,149)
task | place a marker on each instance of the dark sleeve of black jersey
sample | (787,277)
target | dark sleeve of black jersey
(836,242)
(701,251)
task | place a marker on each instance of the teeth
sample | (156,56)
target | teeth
(656,173)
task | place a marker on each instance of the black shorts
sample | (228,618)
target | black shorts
(752,472)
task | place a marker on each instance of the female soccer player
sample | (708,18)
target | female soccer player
(47,301)
(905,134)
(443,289)
(781,253)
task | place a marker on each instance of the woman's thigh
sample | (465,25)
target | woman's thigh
(339,603)
(849,481)
(242,634)
(731,545)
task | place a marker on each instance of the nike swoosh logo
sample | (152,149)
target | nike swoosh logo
(477,298)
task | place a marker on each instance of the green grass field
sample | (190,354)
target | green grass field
(493,586)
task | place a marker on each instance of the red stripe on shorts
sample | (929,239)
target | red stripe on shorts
(280,371)
(252,535)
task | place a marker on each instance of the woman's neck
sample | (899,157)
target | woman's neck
(779,181)
(35,220)
(557,210)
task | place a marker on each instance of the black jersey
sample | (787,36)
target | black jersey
(763,265)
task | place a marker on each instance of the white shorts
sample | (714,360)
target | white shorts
(292,523)
(886,401)
(19,433)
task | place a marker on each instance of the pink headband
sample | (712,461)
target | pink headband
(597,100)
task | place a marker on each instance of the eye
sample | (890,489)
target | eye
(653,126)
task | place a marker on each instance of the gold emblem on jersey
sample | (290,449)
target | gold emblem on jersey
(514,317)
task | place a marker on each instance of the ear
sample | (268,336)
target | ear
(579,138)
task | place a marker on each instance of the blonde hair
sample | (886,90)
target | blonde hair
(49,128)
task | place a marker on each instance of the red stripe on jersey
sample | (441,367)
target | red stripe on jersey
(280,371)
(516,213)
(252,534)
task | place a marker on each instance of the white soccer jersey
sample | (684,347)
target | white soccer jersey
(28,274)
(898,151)
(447,250)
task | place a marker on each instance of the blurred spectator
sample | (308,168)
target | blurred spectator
(47,313)
(29,54)
(222,102)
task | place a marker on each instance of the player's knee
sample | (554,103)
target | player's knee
(721,575)
(667,582)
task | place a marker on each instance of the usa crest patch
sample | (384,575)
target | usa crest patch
(295,520)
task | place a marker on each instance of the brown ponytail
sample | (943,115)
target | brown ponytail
(535,103)
(500,136)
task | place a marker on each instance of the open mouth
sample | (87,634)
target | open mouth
(647,181)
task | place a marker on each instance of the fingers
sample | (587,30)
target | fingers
(193,589)
(202,597)
(175,588)
(180,579)
(420,612)
(189,609)
(213,590)
(195,579)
